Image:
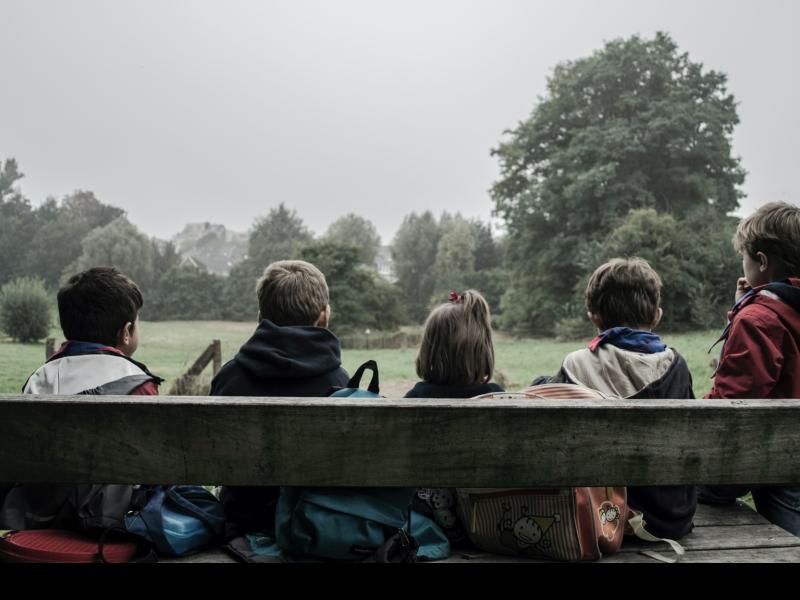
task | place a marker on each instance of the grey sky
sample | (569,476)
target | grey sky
(218,111)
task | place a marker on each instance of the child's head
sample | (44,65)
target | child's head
(457,344)
(769,242)
(293,292)
(101,305)
(624,292)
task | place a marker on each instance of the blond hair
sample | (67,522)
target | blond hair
(773,229)
(624,292)
(292,292)
(456,346)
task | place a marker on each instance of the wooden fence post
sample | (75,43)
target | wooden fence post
(49,348)
(217,356)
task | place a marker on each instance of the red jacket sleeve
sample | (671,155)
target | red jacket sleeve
(752,359)
(149,388)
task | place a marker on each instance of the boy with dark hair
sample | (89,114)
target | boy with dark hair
(761,353)
(628,360)
(99,314)
(291,353)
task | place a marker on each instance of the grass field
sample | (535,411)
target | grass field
(169,348)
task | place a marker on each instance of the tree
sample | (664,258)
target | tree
(60,230)
(698,278)
(186,293)
(360,299)
(119,244)
(414,253)
(278,236)
(17,223)
(357,231)
(636,125)
(455,257)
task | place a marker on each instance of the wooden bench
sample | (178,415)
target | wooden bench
(410,442)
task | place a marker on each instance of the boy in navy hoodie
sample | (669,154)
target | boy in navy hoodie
(291,353)
(628,360)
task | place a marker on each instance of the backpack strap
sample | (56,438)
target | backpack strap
(637,525)
(355,380)
(149,556)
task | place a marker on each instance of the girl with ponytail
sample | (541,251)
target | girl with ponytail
(456,357)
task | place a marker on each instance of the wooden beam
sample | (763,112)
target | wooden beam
(404,442)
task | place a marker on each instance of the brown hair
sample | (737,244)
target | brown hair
(457,347)
(94,305)
(773,229)
(292,292)
(624,292)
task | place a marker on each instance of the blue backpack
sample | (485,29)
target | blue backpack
(177,519)
(352,390)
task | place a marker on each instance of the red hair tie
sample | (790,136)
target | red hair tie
(454,296)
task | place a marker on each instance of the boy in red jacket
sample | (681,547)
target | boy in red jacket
(761,353)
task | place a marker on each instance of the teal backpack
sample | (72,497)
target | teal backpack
(356,524)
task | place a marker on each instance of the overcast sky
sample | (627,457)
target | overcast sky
(217,111)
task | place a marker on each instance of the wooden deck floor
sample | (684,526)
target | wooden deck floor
(721,535)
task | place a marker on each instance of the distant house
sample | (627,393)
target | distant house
(192,261)
(385,264)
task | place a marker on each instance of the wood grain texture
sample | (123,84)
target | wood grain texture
(383,442)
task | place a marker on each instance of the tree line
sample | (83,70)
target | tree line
(627,153)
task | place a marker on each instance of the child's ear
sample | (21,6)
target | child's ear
(125,334)
(763,262)
(659,315)
(324,318)
(595,320)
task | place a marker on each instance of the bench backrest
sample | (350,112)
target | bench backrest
(397,442)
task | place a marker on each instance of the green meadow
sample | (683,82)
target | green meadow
(169,348)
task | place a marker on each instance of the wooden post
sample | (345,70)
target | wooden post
(49,348)
(217,356)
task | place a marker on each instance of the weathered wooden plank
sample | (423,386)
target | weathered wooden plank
(748,555)
(730,516)
(465,443)
(724,538)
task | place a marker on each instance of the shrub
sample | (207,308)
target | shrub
(574,329)
(25,310)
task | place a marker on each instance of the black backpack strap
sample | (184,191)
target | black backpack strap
(374,384)
(145,551)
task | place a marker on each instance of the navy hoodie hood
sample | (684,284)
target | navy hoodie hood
(275,352)
(283,361)
(786,291)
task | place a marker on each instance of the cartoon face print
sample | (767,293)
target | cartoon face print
(609,519)
(527,531)
(526,534)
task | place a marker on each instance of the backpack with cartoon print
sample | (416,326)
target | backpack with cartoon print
(565,524)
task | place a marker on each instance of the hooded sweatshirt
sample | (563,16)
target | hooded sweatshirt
(761,355)
(275,361)
(668,510)
(91,368)
(283,361)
